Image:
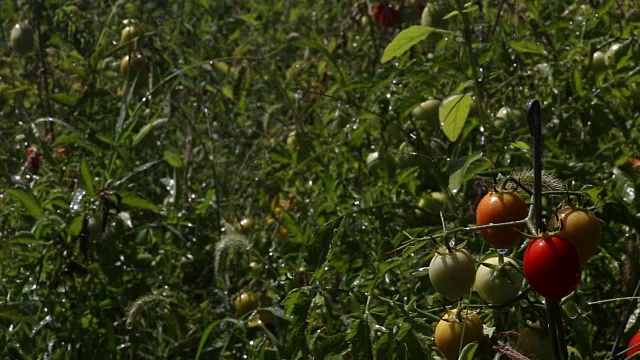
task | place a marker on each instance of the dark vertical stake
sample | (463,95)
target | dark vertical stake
(534,119)
(535,127)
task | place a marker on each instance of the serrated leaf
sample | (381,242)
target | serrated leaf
(526,46)
(87,178)
(405,40)
(27,200)
(453,114)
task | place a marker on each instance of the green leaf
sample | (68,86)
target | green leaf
(19,311)
(27,238)
(453,114)
(64,99)
(135,201)
(459,171)
(147,128)
(405,40)
(319,247)
(27,200)
(577,81)
(210,328)
(468,351)
(73,138)
(526,46)
(173,159)
(87,178)
(521,145)
(361,346)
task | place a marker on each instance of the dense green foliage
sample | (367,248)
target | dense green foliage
(128,244)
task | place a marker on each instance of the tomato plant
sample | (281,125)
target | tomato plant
(552,266)
(500,207)
(452,272)
(579,226)
(454,331)
(498,282)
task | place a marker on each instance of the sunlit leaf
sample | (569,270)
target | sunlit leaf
(453,114)
(405,40)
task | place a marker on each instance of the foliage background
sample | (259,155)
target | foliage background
(211,143)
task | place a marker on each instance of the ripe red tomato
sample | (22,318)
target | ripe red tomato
(386,13)
(552,266)
(635,340)
(580,227)
(499,207)
(453,333)
(34,157)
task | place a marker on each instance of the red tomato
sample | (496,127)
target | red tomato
(34,157)
(552,266)
(635,340)
(499,207)
(386,14)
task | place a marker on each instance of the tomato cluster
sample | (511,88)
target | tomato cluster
(134,66)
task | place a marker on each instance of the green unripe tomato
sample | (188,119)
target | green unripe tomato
(247,302)
(135,67)
(113,231)
(292,140)
(130,36)
(21,39)
(378,162)
(428,112)
(407,156)
(534,342)
(452,272)
(95,228)
(633,15)
(599,62)
(433,202)
(614,54)
(498,283)
(432,16)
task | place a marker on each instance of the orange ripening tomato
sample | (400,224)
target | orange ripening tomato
(500,207)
